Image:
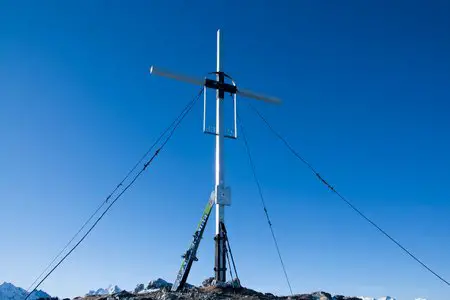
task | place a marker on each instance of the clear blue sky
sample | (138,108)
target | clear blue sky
(366,96)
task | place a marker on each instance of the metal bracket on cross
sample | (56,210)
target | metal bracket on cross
(224,88)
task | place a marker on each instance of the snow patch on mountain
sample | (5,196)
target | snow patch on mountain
(9,291)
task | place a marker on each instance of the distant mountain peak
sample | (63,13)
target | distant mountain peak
(111,289)
(9,291)
(158,284)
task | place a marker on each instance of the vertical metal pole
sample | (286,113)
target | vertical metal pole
(220,263)
(204,109)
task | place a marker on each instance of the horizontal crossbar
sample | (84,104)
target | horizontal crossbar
(214,84)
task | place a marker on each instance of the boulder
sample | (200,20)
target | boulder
(208,281)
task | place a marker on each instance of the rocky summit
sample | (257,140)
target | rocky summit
(214,293)
(159,290)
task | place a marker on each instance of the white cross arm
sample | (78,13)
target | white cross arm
(253,95)
(201,82)
(180,77)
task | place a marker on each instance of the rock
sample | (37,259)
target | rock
(321,296)
(188,286)
(113,289)
(302,297)
(235,283)
(219,284)
(208,281)
(165,295)
(140,287)
(123,295)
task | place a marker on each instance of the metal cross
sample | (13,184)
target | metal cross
(221,193)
